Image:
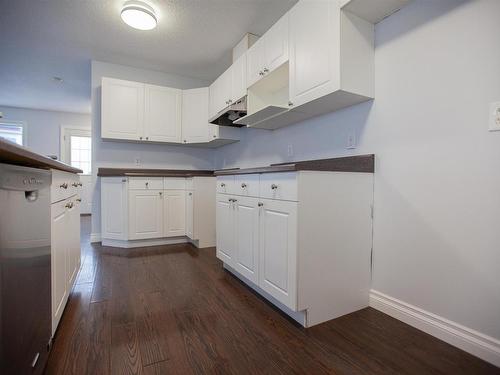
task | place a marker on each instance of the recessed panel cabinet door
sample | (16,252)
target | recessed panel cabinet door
(73,235)
(239,78)
(314,50)
(59,262)
(278,250)
(225,229)
(122,109)
(162,115)
(195,125)
(276,45)
(114,208)
(145,214)
(190,215)
(246,221)
(255,62)
(174,212)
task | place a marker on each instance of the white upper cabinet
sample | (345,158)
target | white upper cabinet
(195,125)
(122,109)
(162,116)
(220,92)
(239,78)
(269,52)
(314,50)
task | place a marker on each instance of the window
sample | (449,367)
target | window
(12,132)
(81,152)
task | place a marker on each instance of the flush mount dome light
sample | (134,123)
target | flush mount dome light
(139,15)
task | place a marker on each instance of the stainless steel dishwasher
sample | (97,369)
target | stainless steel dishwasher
(25,278)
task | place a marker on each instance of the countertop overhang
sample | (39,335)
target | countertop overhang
(137,172)
(11,153)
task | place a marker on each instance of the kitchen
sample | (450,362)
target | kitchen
(304,183)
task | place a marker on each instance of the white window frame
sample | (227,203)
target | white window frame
(66,132)
(22,124)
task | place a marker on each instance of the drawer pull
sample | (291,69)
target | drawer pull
(69,205)
(147,184)
(74,184)
(274,187)
(222,184)
(64,185)
(190,194)
(260,204)
(243,185)
(78,199)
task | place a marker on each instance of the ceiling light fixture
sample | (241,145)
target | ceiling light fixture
(139,15)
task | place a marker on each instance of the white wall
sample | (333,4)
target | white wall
(123,154)
(437,180)
(42,127)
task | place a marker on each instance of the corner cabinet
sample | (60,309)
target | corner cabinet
(142,211)
(65,239)
(300,239)
(162,114)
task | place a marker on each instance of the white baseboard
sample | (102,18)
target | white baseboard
(128,244)
(469,340)
(95,237)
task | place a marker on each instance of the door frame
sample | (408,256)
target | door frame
(67,130)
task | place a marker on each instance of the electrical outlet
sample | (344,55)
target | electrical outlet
(494,124)
(351,140)
(289,150)
(137,161)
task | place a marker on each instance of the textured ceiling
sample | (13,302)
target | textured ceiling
(40,39)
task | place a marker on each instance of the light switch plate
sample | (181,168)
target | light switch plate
(494,118)
(290,150)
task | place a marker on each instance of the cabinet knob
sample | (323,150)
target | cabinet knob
(185,141)
(266,70)
(161,193)
(75,184)
(222,184)
(290,104)
(140,138)
(243,185)
(80,184)
(69,205)
(147,184)
(64,185)
(78,199)
(261,73)
(229,101)
(215,136)
(147,138)
(260,204)
(190,194)
(274,187)
(124,180)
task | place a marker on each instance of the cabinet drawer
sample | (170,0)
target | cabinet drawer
(226,185)
(247,185)
(64,185)
(189,184)
(174,183)
(143,183)
(281,186)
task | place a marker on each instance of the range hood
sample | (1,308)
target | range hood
(231,113)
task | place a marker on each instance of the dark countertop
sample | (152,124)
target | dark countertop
(137,172)
(360,163)
(11,153)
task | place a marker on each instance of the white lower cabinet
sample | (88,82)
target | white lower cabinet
(145,214)
(304,242)
(136,210)
(65,242)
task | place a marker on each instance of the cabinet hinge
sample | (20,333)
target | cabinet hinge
(371,211)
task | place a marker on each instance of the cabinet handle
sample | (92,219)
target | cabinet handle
(215,136)
(185,141)
(260,204)
(222,184)
(290,104)
(80,184)
(243,185)
(147,184)
(229,101)
(64,185)
(69,205)
(124,180)
(266,70)
(274,187)
(261,73)
(140,138)
(190,194)
(147,138)
(74,184)
(78,199)
(161,193)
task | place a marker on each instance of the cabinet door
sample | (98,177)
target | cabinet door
(195,125)
(278,250)
(239,78)
(122,109)
(145,214)
(255,62)
(58,261)
(220,92)
(276,45)
(73,240)
(174,213)
(246,221)
(162,116)
(314,50)
(225,229)
(190,215)
(114,208)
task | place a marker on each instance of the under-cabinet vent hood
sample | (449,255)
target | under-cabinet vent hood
(233,112)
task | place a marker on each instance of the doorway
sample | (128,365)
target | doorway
(76,150)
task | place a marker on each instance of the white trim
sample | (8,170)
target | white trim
(95,237)
(62,144)
(467,339)
(142,243)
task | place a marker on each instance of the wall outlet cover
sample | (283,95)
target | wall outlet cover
(351,140)
(290,150)
(137,161)
(494,118)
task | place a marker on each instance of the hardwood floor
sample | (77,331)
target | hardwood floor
(174,310)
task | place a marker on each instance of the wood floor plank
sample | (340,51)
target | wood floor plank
(125,357)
